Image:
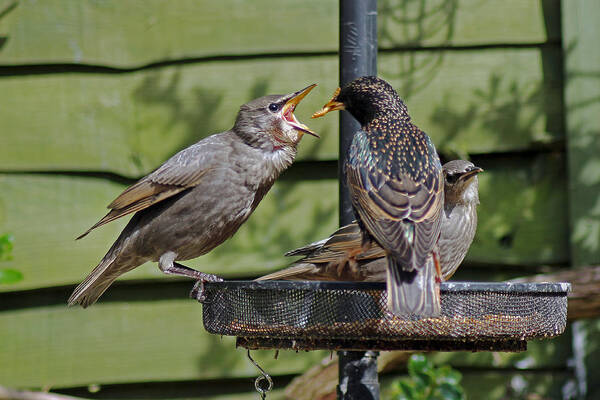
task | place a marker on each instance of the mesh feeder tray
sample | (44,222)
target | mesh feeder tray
(476,316)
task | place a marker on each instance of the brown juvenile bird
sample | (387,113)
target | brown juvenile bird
(396,185)
(199,197)
(342,258)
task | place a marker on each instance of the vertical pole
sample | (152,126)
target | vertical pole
(358,57)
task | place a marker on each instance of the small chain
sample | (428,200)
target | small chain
(263,377)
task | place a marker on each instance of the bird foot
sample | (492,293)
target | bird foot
(198,289)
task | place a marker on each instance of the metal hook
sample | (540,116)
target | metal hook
(264,376)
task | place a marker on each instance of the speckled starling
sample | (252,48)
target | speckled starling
(395,181)
(341,257)
(201,196)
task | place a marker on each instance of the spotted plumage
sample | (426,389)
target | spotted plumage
(342,257)
(395,179)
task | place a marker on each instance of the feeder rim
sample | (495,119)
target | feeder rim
(446,287)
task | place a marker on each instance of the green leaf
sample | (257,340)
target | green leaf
(417,363)
(450,392)
(421,371)
(427,382)
(6,246)
(407,391)
(451,376)
(10,276)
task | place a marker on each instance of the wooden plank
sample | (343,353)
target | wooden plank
(45,213)
(582,98)
(133,33)
(469,102)
(440,22)
(522,218)
(124,342)
(582,103)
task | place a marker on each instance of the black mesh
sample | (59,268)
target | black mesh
(357,311)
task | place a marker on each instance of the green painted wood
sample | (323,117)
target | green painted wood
(133,33)
(582,109)
(582,98)
(46,213)
(125,342)
(466,22)
(527,226)
(469,102)
(522,215)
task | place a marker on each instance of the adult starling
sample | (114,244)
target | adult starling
(396,185)
(199,197)
(342,258)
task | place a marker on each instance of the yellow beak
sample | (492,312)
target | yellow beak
(287,111)
(332,105)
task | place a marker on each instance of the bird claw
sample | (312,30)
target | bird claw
(198,289)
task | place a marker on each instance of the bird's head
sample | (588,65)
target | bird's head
(269,122)
(461,185)
(365,98)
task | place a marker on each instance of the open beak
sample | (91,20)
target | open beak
(470,173)
(287,112)
(331,105)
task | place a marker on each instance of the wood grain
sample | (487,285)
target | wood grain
(134,33)
(124,342)
(469,102)
(582,100)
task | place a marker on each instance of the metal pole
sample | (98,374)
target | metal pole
(358,57)
(358,375)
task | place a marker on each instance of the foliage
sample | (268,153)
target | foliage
(426,382)
(8,275)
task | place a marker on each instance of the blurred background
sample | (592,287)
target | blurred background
(96,94)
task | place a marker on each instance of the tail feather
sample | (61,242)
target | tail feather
(96,283)
(413,293)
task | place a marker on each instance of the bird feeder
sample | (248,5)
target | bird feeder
(476,316)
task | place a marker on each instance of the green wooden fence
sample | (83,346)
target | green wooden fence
(94,94)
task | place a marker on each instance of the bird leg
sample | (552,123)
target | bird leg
(438,268)
(167,265)
(198,289)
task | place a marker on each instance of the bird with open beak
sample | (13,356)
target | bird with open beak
(341,257)
(201,196)
(395,181)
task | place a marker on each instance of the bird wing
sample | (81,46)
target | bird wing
(182,171)
(401,213)
(346,242)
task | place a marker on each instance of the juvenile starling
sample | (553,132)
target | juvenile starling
(396,185)
(199,197)
(342,258)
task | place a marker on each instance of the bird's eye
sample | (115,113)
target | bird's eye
(451,178)
(274,107)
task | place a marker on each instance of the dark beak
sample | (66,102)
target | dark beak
(471,173)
